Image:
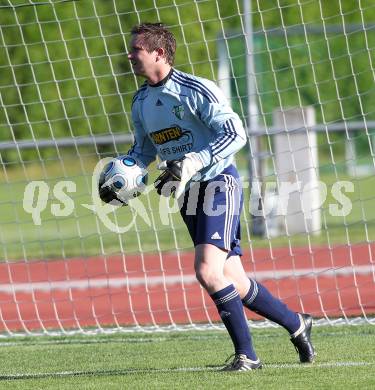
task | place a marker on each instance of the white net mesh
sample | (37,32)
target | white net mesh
(299,73)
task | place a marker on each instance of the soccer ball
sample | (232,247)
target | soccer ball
(126,176)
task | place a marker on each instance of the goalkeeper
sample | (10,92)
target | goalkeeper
(188,123)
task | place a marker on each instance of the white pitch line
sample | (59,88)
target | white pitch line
(125,371)
(86,284)
(320,365)
(71,341)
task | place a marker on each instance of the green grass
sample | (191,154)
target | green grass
(81,233)
(187,360)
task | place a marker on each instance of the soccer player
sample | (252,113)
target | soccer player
(187,122)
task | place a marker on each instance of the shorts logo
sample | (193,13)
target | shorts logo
(178,111)
(216,236)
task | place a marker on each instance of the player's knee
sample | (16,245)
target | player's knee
(200,273)
(207,276)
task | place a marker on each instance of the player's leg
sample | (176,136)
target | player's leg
(212,228)
(234,271)
(209,268)
(257,298)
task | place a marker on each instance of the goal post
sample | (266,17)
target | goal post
(66,88)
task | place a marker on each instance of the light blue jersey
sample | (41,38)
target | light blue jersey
(186,114)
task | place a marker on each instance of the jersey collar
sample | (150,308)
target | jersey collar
(162,82)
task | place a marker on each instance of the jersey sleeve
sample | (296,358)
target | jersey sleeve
(142,149)
(215,112)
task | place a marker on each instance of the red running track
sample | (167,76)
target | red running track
(152,289)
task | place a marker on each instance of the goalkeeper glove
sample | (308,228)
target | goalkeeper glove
(108,195)
(179,170)
(190,167)
(171,173)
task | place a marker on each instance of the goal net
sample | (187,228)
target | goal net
(301,76)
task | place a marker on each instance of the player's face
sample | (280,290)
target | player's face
(142,61)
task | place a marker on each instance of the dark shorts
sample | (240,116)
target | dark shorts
(212,210)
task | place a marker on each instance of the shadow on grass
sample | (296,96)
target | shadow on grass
(127,371)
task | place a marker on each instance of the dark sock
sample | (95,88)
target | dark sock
(262,302)
(230,309)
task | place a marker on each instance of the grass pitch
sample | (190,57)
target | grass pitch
(187,360)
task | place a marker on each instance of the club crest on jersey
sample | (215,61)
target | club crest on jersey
(178,111)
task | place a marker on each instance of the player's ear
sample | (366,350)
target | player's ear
(160,53)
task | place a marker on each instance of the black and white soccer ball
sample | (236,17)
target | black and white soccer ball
(126,176)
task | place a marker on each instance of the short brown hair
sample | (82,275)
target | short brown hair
(154,36)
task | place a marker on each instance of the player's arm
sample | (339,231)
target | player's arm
(142,148)
(215,112)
